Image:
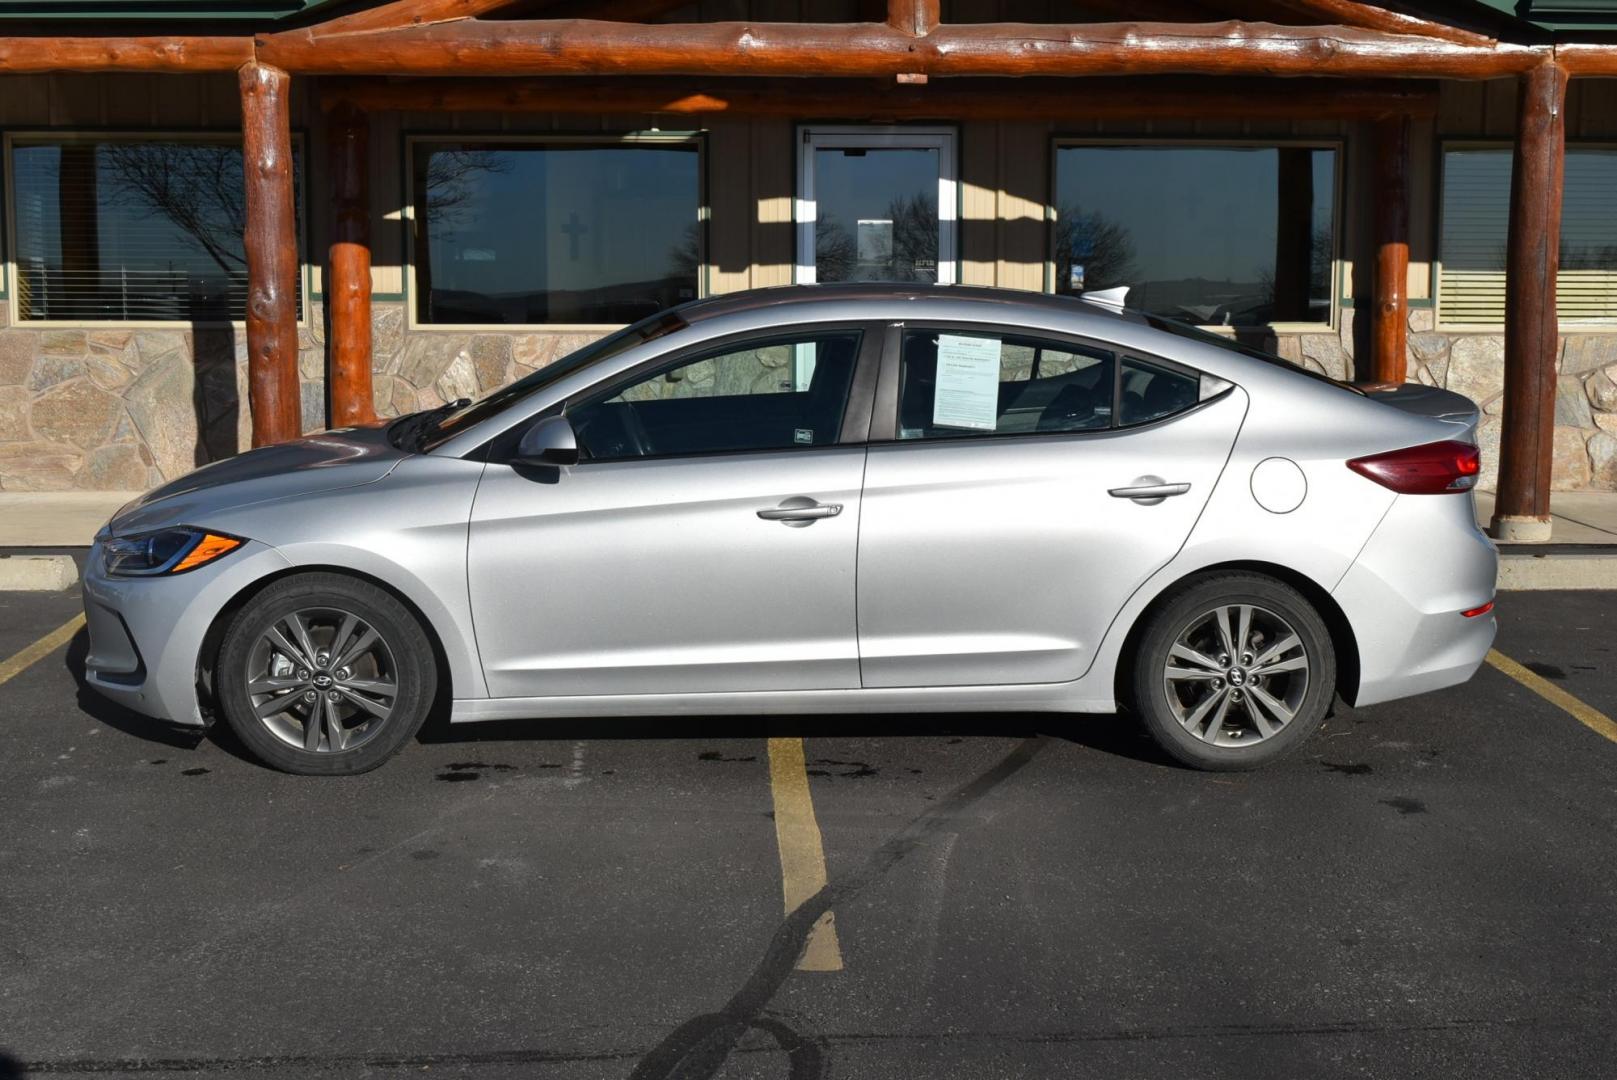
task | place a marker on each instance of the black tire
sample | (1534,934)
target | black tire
(1240,742)
(402,658)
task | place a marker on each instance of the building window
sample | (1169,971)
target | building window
(560,232)
(1212,235)
(1476,215)
(876,204)
(129,229)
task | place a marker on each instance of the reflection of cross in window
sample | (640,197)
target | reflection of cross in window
(575,230)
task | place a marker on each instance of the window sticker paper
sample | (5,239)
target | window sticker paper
(966,394)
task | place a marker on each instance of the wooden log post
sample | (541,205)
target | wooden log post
(1532,258)
(271,244)
(348,266)
(1389,319)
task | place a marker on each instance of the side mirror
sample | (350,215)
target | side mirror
(549,442)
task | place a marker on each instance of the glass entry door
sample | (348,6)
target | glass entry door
(876,204)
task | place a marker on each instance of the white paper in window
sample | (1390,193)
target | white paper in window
(966,394)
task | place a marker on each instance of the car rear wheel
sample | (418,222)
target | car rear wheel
(1233,672)
(325,675)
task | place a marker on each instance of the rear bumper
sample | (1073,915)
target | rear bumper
(1425,564)
(146,634)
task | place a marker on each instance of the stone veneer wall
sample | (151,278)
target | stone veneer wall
(127,409)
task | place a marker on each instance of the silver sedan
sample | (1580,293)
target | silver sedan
(814,500)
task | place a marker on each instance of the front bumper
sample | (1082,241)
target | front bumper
(1425,564)
(146,633)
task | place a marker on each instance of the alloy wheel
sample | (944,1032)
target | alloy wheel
(322,680)
(1236,675)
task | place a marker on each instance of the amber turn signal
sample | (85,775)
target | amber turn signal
(209,548)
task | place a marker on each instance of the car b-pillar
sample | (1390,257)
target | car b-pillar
(1532,258)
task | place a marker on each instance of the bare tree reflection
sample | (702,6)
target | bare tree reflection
(197,188)
(1102,249)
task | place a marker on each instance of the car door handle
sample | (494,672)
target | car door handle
(800,511)
(1149,494)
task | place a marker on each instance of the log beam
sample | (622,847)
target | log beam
(1120,98)
(160,55)
(876,50)
(348,262)
(1588,59)
(272,255)
(409,13)
(1532,258)
(1389,319)
(1370,17)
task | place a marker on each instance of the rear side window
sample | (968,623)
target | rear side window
(953,384)
(1148,392)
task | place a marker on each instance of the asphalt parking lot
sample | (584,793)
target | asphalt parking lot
(1427,889)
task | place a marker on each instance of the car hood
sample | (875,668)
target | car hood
(346,457)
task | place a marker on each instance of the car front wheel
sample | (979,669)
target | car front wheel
(324,675)
(1233,672)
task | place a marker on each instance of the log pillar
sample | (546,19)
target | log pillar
(1532,257)
(1389,327)
(271,244)
(348,268)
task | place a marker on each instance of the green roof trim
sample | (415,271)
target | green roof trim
(1560,15)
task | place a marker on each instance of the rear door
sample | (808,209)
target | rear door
(1027,486)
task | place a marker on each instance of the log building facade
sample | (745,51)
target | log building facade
(224,227)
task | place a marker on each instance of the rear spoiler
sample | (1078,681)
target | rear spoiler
(1107,298)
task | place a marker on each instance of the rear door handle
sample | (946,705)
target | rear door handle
(799,511)
(1148,494)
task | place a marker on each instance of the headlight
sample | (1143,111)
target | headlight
(167,551)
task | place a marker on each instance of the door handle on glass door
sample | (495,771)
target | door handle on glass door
(1148,490)
(800,510)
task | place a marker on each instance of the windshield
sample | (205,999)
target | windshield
(1195,333)
(454,421)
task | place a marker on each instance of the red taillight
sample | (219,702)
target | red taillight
(1474,612)
(1438,468)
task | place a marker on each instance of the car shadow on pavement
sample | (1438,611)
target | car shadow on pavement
(1117,736)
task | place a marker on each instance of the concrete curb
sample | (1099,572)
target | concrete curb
(37,573)
(1520,573)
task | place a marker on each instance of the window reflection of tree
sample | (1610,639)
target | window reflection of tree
(1102,247)
(196,188)
(447,185)
(910,256)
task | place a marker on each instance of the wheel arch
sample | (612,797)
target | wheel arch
(1343,639)
(208,653)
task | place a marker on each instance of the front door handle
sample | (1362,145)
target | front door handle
(800,510)
(1148,491)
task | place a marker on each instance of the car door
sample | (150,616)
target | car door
(705,542)
(1024,489)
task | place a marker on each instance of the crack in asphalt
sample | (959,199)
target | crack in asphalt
(698,1048)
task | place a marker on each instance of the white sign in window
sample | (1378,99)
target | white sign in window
(966,394)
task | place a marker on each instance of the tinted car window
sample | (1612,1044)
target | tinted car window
(778,394)
(981,384)
(1148,392)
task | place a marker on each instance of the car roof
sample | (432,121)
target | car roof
(882,294)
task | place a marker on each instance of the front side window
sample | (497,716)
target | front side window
(521,233)
(1209,235)
(953,384)
(780,394)
(129,229)
(1475,221)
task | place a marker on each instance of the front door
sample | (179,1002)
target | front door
(705,543)
(1032,486)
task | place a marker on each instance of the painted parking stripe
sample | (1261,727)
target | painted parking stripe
(1586,714)
(802,855)
(40,649)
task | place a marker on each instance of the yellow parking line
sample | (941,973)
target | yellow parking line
(1589,716)
(802,857)
(40,649)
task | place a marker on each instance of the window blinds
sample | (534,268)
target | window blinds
(1476,212)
